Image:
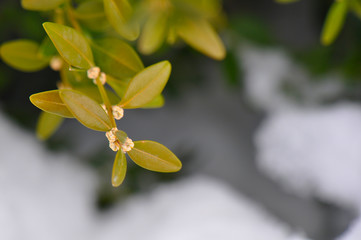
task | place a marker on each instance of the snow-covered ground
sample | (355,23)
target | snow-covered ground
(311,150)
(315,152)
(47,196)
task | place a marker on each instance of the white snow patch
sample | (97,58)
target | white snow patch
(194,209)
(46,196)
(353,232)
(42,196)
(314,152)
(273,81)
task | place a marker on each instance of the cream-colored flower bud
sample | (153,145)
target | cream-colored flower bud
(127,145)
(111,135)
(103,78)
(93,73)
(114,146)
(118,112)
(56,63)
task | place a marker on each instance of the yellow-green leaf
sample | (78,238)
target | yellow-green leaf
(119,169)
(71,45)
(121,136)
(86,110)
(41,5)
(92,15)
(51,102)
(146,85)
(116,58)
(47,124)
(157,102)
(334,22)
(200,35)
(93,92)
(153,34)
(202,8)
(119,86)
(154,156)
(47,48)
(118,13)
(23,55)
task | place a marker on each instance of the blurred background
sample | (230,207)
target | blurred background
(269,139)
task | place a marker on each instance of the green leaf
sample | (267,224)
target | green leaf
(118,13)
(116,58)
(334,22)
(153,34)
(47,125)
(355,6)
(47,48)
(51,102)
(41,5)
(71,45)
(119,86)
(146,85)
(86,110)
(154,156)
(157,102)
(92,15)
(23,55)
(201,36)
(92,91)
(119,169)
(202,8)
(121,136)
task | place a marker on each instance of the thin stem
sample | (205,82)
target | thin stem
(71,17)
(106,101)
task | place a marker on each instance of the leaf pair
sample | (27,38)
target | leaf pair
(147,154)
(69,103)
(197,33)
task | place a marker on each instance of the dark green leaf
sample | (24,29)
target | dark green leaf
(86,110)
(71,45)
(23,55)
(154,156)
(146,85)
(51,102)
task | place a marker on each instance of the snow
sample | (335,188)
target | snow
(50,196)
(196,208)
(354,231)
(314,152)
(43,196)
(272,81)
